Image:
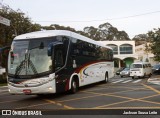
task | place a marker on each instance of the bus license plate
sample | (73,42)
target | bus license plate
(27,91)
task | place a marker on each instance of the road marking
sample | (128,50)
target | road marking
(79,98)
(153,89)
(113,86)
(32,106)
(59,104)
(129,99)
(112,104)
(117,81)
(98,95)
(111,95)
(8,101)
(126,81)
(137,81)
(154,81)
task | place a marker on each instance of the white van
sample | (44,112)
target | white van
(140,69)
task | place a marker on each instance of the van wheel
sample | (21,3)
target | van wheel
(149,75)
(74,86)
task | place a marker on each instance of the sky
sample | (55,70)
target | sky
(132,16)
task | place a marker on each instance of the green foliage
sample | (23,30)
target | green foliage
(155,43)
(105,32)
(140,39)
(19,24)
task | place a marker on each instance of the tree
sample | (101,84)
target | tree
(105,32)
(19,24)
(140,39)
(57,27)
(154,37)
(92,32)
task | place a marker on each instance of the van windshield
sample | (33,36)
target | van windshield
(136,66)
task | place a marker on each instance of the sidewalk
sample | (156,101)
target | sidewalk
(155,79)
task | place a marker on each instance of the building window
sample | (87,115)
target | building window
(126,49)
(114,47)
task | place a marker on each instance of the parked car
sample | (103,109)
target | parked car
(125,72)
(118,72)
(156,69)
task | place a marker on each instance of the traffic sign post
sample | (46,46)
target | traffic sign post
(4,21)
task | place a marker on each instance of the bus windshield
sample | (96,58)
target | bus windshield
(29,57)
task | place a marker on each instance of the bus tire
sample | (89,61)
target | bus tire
(132,77)
(106,77)
(74,86)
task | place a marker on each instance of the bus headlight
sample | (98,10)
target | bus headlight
(50,88)
(45,79)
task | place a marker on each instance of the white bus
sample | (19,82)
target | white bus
(140,69)
(55,61)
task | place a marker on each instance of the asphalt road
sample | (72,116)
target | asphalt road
(114,98)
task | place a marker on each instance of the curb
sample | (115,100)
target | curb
(3,86)
(154,80)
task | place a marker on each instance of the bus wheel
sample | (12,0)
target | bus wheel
(74,86)
(132,77)
(106,78)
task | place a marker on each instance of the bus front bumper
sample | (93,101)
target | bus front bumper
(46,88)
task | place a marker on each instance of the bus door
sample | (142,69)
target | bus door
(58,59)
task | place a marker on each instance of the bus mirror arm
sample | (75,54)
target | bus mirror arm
(51,47)
(74,64)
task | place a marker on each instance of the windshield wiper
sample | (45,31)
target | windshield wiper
(32,65)
(26,62)
(19,68)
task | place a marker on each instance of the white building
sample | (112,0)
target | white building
(144,55)
(124,52)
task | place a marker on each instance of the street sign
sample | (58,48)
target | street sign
(4,21)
